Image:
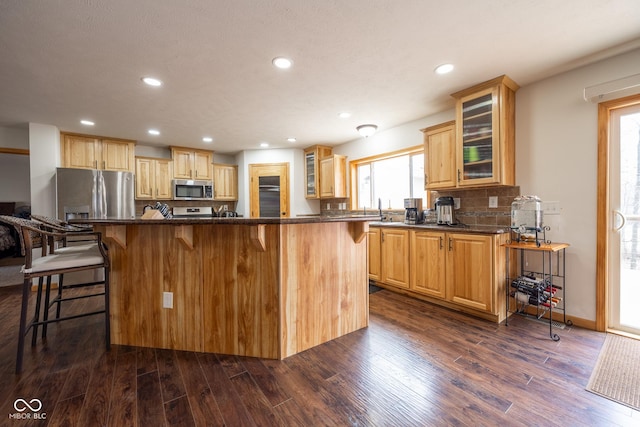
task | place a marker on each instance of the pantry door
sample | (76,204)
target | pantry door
(624,228)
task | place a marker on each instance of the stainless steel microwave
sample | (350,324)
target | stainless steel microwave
(189,189)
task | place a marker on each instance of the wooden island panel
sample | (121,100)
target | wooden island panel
(324,284)
(240,309)
(153,262)
(302,285)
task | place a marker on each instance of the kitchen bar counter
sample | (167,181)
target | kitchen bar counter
(265,287)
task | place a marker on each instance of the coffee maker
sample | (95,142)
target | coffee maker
(413,211)
(444,211)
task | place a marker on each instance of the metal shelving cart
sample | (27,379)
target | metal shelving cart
(538,290)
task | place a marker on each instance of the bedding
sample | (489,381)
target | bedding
(7,242)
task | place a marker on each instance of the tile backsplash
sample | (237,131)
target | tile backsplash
(474,205)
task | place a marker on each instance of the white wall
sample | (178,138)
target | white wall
(14,168)
(556,159)
(44,155)
(295,158)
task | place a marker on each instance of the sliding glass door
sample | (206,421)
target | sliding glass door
(624,235)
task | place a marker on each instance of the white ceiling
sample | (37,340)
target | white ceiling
(65,60)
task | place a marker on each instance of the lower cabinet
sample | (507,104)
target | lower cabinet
(428,263)
(456,269)
(374,254)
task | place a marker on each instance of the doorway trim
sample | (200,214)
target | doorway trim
(257,170)
(603,208)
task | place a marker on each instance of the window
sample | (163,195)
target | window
(389,178)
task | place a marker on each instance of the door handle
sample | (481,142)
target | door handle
(450,244)
(622,217)
(441,242)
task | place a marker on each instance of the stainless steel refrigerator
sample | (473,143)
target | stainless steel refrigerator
(89,193)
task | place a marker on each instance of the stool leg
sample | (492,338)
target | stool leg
(45,315)
(23,323)
(36,319)
(107,316)
(59,295)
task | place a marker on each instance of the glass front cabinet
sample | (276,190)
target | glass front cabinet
(312,157)
(485,133)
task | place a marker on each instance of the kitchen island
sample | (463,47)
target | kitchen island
(265,287)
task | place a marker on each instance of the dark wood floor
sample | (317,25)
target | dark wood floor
(415,365)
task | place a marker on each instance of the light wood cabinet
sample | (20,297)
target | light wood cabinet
(463,271)
(440,156)
(192,164)
(91,152)
(470,270)
(225,182)
(374,253)
(153,178)
(428,263)
(333,177)
(312,157)
(485,133)
(394,257)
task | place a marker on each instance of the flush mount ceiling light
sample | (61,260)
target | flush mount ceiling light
(264,145)
(344,115)
(444,69)
(87,122)
(291,139)
(207,139)
(153,132)
(367,130)
(282,62)
(151,81)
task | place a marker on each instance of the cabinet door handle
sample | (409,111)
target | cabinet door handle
(425,180)
(382,237)
(95,162)
(458,175)
(104,164)
(450,244)
(441,242)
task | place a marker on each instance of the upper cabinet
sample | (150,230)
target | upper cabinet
(153,178)
(192,164)
(92,152)
(225,182)
(312,156)
(485,133)
(333,177)
(440,156)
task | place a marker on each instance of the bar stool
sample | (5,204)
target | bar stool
(52,263)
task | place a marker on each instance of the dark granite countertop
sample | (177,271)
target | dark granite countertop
(480,229)
(237,220)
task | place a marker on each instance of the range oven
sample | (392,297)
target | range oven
(189,189)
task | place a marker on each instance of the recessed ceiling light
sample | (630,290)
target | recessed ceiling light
(207,139)
(151,81)
(153,132)
(344,115)
(264,145)
(291,139)
(87,122)
(282,62)
(444,68)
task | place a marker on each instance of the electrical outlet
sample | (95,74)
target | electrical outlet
(551,208)
(456,203)
(493,201)
(167,300)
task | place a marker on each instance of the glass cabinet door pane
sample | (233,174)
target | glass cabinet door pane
(310,165)
(477,138)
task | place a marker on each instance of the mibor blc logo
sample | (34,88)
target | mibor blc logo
(28,410)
